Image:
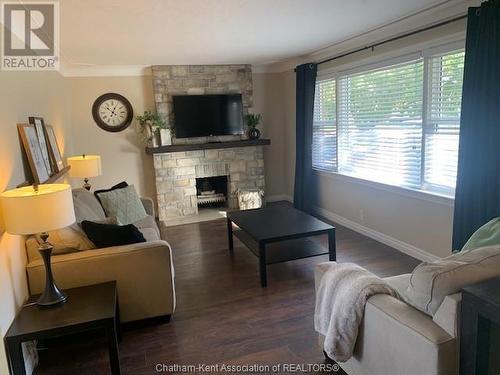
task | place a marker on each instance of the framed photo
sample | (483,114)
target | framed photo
(54,149)
(31,146)
(39,125)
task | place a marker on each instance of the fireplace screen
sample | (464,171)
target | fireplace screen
(211,191)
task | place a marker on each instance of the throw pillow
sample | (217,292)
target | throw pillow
(120,185)
(87,207)
(72,238)
(67,240)
(123,203)
(487,235)
(431,282)
(106,235)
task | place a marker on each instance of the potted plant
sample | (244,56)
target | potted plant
(252,121)
(153,125)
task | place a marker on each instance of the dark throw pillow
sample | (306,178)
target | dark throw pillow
(106,235)
(120,185)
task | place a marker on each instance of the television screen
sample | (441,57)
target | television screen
(207,115)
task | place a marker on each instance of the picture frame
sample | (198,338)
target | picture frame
(41,132)
(31,145)
(54,148)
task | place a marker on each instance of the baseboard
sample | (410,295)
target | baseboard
(404,247)
(279,197)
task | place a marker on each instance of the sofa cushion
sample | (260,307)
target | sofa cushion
(149,234)
(123,203)
(487,235)
(87,207)
(106,235)
(119,185)
(399,283)
(148,222)
(430,283)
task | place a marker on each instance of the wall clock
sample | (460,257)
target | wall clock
(112,112)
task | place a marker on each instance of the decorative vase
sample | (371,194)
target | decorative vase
(155,139)
(165,137)
(253,133)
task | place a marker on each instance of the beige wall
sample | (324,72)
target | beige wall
(123,156)
(22,94)
(267,89)
(413,223)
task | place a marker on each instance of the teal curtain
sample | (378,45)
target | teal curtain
(305,86)
(477,197)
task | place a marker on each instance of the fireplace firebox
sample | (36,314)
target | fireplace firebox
(211,191)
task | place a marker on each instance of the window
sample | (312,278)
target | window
(324,154)
(443,122)
(380,124)
(397,125)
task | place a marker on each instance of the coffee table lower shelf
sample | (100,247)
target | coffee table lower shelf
(282,251)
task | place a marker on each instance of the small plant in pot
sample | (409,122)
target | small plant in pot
(151,124)
(252,121)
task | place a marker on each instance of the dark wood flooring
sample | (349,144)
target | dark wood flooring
(223,315)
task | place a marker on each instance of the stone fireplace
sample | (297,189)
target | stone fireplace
(177,172)
(178,167)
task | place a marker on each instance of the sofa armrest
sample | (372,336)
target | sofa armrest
(448,314)
(144,274)
(395,338)
(149,206)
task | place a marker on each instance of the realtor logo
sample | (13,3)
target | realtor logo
(30,35)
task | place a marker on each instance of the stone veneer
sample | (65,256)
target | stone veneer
(176,174)
(169,80)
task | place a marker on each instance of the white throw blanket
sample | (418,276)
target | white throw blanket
(341,296)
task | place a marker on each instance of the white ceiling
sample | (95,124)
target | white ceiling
(149,32)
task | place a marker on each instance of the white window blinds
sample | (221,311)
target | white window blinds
(443,120)
(380,124)
(397,125)
(324,149)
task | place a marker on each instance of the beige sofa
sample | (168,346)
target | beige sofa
(144,272)
(395,338)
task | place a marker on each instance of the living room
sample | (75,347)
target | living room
(263,187)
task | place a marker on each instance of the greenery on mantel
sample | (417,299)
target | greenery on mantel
(253,120)
(150,124)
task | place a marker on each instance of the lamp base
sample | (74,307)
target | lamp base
(86,184)
(52,295)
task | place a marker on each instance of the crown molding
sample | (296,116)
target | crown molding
(77,70)
(443,11)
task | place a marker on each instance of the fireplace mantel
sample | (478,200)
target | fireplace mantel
(207,146)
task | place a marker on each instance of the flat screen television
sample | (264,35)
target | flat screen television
(207,115)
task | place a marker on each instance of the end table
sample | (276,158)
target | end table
(479,323)
(87,308)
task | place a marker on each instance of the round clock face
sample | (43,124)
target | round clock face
(112,112)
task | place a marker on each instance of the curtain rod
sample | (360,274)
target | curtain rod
(393,39)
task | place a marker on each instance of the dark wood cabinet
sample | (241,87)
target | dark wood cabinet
(480,329)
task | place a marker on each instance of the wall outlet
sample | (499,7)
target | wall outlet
(361,215)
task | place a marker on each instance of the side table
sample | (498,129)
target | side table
(479,322)
(87,308)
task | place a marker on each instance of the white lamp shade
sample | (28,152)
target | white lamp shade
(26,211)
(85,166)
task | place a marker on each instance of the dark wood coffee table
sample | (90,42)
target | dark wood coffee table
(278,234)
(87,308)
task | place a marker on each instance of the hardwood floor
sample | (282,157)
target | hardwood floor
(223,315)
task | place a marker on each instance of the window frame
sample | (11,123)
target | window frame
(438,193)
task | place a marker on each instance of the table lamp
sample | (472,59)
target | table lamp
(39,209)
(85,166)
